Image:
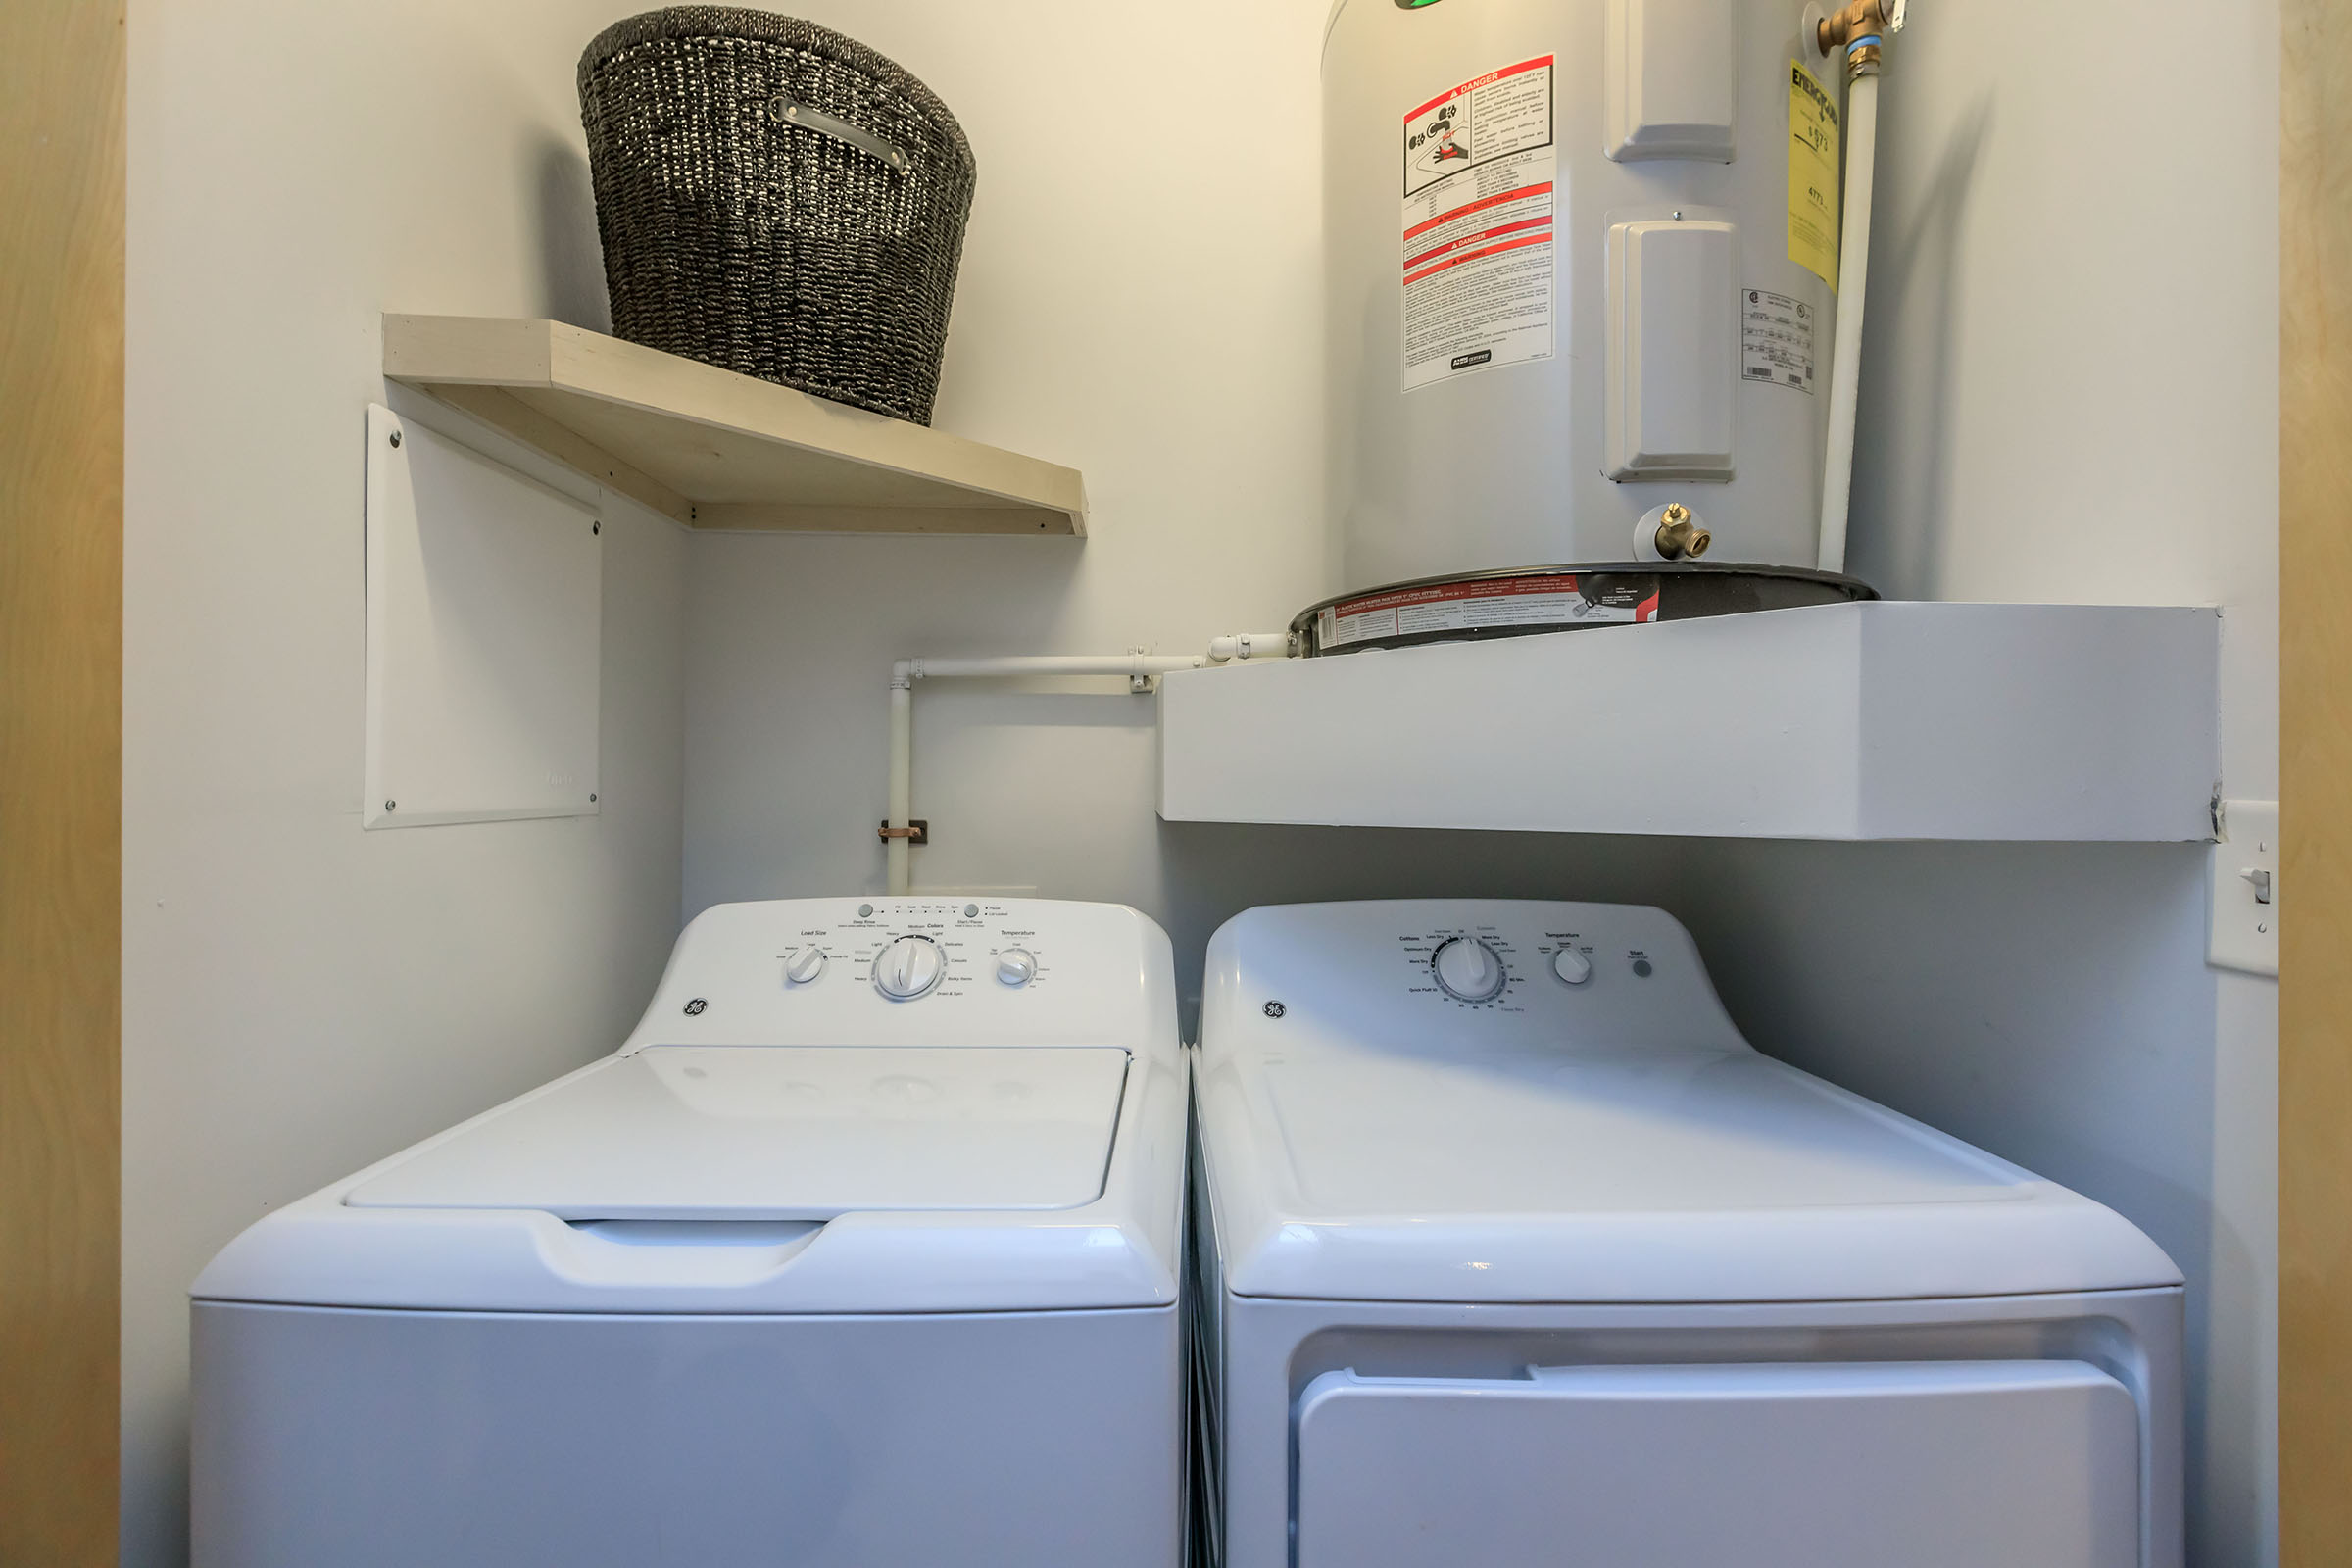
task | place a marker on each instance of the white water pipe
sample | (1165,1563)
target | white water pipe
(1237,648)
(1845,351)
(1862,27)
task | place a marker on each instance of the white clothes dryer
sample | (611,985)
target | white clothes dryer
(1512,1251)
(864,1248)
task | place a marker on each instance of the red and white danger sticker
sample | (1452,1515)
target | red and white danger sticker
(1548,600)
(1478,209)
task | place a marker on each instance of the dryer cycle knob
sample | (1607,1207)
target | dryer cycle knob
(1016,966)
(805,965)
(1468,970)
(909,968)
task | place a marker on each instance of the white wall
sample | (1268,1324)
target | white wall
(1141,297)
(2072,388)
(2073,383)
(299,997)
(2072,395)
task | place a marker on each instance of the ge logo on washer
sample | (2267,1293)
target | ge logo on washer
(694,1008)
(1275,1010)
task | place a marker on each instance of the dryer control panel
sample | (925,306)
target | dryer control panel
(1464,975)
(911,971)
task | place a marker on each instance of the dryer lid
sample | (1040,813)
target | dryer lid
(1633,1176)
(782,1133)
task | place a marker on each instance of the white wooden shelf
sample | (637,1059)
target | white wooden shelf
(2021,723)
(717,450)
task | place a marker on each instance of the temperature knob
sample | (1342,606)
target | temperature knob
(804,965)
(1016,966)
(1572,966)
(909,968)
(1468,970)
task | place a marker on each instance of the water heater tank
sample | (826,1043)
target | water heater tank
(1582,257)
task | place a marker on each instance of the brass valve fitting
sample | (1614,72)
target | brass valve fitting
(1860,19)
(1863,18)
(1680,537)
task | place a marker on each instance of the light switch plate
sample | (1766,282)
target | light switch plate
(2245,870)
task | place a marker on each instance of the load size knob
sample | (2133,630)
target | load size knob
(805,965)
(909,968)
(1468,970)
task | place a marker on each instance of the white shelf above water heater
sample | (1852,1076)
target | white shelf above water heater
(717,450)
(1885,720)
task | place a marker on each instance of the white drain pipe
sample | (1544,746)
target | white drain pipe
(898,833)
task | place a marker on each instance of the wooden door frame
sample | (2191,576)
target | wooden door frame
(61,77)
(2315,1000)
(61,82)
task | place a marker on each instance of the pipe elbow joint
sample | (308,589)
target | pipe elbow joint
(1250,645)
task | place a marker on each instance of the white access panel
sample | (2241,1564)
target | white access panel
(1673,346)
(1951,1464)
(485,602)
(1672,79)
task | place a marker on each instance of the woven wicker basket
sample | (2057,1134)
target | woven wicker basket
(776,199)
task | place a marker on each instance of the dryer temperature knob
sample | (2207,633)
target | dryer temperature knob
(1571,965)
(1468,970)
(909,968)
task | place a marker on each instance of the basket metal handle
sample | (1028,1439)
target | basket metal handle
(787,109)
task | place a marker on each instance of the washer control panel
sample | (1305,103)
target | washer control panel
(1471,972)
(847,970)
(907,949)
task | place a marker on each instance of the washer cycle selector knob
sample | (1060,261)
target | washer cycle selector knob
(1468,970)
(804,964)
(1016,966)
(1572,966)
(909,968)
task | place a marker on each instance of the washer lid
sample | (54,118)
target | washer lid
(1652,1175)
(782,1133)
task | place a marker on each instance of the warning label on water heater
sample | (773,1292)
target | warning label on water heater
(1479,176)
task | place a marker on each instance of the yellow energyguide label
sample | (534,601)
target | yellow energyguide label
(1813,147)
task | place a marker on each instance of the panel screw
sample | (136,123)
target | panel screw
(391,806)
(591,800)
(596,528)
(396,438)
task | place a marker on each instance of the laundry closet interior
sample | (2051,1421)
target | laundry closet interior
(1957,804)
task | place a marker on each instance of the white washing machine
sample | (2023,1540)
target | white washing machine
(1514,1252)
(862,1249)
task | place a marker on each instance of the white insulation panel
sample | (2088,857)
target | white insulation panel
(485,598)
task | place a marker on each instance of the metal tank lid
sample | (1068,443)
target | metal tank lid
(1523,601)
